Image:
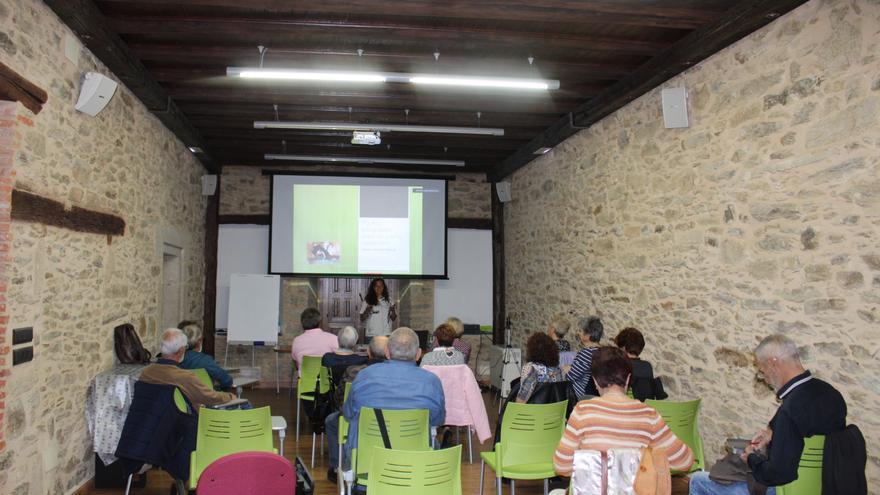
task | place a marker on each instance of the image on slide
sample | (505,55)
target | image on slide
(322,252)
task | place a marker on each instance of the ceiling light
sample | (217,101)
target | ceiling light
(350,126)
(485,82)
(305,75)
(364,160)
(393,77)
(543,151)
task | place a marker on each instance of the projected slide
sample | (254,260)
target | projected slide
(370,227)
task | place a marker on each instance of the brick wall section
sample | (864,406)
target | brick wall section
(8,145)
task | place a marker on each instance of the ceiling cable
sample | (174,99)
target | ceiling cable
(262,49)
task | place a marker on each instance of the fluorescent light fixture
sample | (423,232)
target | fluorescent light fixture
(363,160)
(543,151)
(485,82)
(305,75)
(195,149)
(393,77)
(349,126)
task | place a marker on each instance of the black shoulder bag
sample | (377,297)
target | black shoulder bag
(383,430)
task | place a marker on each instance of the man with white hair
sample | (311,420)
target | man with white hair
(809,407)
(343,357)
(395,384)
(167,371)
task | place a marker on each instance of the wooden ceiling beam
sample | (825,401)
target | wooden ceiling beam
(84,18)
(258,161)
(620,13)
(308,32)
(744,18)
(397,140)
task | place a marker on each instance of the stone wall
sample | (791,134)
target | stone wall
(9,142)
(245,191)
(762,217)
(73,287)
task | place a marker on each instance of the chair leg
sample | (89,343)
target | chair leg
(339,478)
(482,473)
(498,485)
(313,450)
(512,487)
(322,446)
(181,487)
(297,420)
(546,486)
(470,445)
(128,484)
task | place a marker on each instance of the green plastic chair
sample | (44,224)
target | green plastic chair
(222,432)
(408,430)
(683,419)
(343,436)
(203,375)
(403,472)
(305,385)
(530,434)
(809,480)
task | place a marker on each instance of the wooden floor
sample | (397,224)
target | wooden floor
(159,483)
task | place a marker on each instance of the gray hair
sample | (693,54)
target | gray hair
(347,337)
(560,325)
(378,345)
(778,346)
(592,327)
(457,324)
(403,344)
(193,335)
(173,340)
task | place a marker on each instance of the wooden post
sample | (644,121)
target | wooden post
(212,230)
(498,280)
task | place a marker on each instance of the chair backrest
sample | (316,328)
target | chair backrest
(248,473)
(203,375)
(309,374)
(683,419)
(531,432)
(343,423)
(809,480)
(224,432)
(431,472)
(180,402)
(408,429)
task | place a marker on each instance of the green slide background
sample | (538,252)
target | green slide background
(326,213)
(415,231)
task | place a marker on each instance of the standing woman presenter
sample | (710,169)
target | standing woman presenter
(376,310)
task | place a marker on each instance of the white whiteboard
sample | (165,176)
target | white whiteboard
(468,292)
(240,249)
(254,308)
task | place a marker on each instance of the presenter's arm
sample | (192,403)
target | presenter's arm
(366,311)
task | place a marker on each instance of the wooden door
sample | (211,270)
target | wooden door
(341,298)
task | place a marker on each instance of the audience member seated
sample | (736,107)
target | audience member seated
(557,330)
(444,354)
(395,384)
(591,331)
(613,420)
(542,366)
(644,385)
(375,354)
(195,358)
(338,361)
(809,407)
(314,341)
(167,371)
(458,344)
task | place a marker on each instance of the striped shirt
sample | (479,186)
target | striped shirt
(617,422)
(580,373)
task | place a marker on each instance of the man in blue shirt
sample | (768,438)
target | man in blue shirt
(395,384)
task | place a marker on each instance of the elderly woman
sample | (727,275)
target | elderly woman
(444,354)
(591,331)
(542,365)
(459,344)
(195,358)
(338,361)
(613,420)
(559,326)
(642,383)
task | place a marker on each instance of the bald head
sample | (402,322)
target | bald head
(779,347)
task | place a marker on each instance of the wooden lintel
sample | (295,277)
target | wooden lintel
(741,20)
(244,219)
(14,87)
(469,223)
(29,207)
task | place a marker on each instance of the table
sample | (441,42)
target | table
(279,424)
(107,403)
(241,381)
(279,350)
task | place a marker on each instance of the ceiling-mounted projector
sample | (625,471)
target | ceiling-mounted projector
(364,137)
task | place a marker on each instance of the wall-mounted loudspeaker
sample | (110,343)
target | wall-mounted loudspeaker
(503,190)
(209,185)
(96,92)
(675,112)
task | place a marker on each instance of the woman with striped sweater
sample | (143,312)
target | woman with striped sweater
(613,420)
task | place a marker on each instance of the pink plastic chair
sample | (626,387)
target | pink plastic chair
(248,473)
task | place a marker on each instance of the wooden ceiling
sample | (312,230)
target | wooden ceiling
(605,52)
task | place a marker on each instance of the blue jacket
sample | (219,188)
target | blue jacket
(394,385)
(194,360)
(156,432)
